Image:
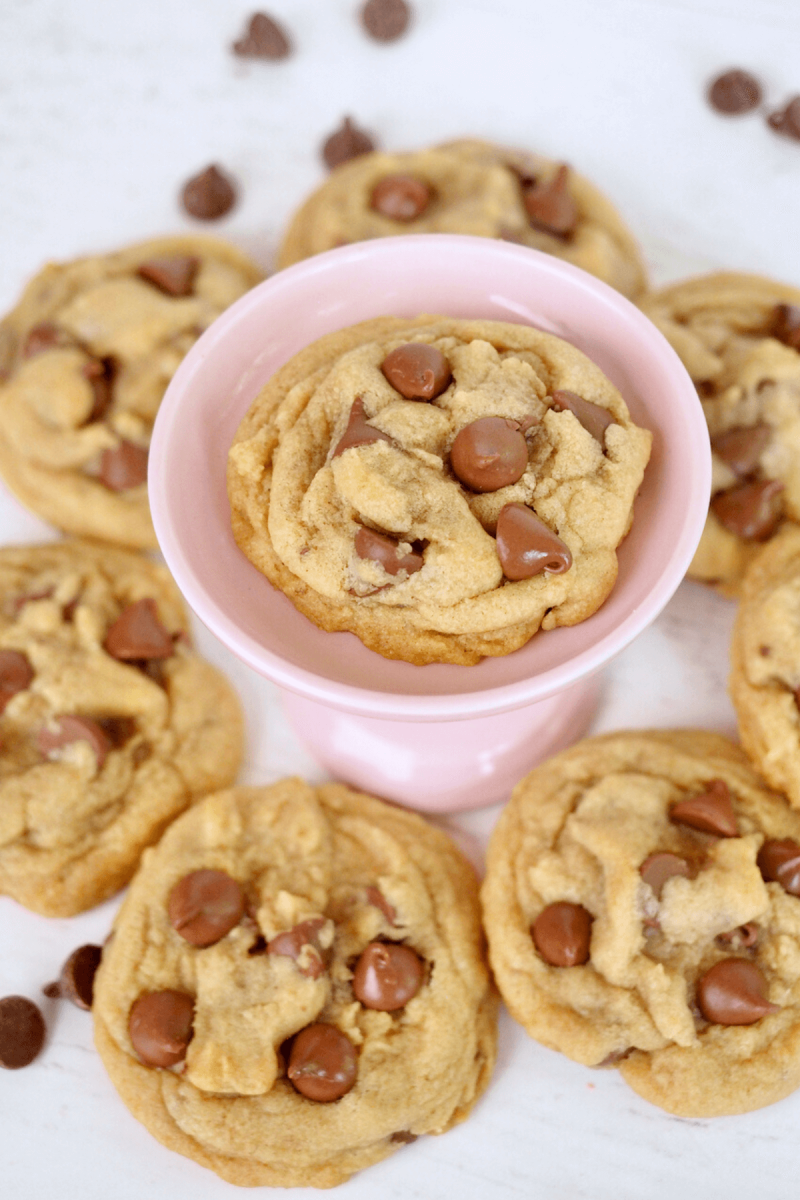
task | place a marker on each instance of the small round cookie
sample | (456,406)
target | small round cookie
(472,187)
(85,358)
(442,488)
(110,725)
(296,985)
(739,339)
(642,904)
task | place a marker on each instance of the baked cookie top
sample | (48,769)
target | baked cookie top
(642,904)
(739,339)
(110,724)
(428,485)
(314,914)
(85,358)
(472,187)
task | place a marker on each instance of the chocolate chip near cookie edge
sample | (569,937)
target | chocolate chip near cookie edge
(345,143)
(208,195)
(22,1032)
(263,38)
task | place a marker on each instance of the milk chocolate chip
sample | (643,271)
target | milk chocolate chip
(358,432)
(205,905)
(387,976)
(733,992)
(750,511)
(562,932)
(710,811)
(76,982)
(401,197)
(16,674)
(786,120)
(594,419)
(658,868)
(160,1027)
(741,449)
(100,373)
(123,467)
(734,92)
(385,20)
(779,862)
(174,274)
(22,1032)
(263,38)
(550,207)
(70,728)
(347,142)
(209,195)
(526,546)
(489,453)
(322,1063)
(44,337)
(138,633)
(417,371)
(786,325)
(379,548)
(290,945)
(378,899)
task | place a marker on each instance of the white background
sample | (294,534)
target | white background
(105,109)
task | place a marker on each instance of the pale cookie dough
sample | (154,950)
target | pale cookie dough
(85,358)
(98,753)
(739,339)
(360,872)
(475,188)
(578,830)
(298,505)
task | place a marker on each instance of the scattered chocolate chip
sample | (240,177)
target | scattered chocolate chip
(263,38)
(489,454)
(417,371)
(290,945)
(100,374)
(385,20)
(16,674)
(786,325)
(550,207)
(387,976)
(734,992)
(138,633)
(209,195)
(174,274)
(786,120)
(322,1063)
(22,1032)
(44,337)
(710,811)
(734,92)
(741,449)
(358,432)
(345,143)
(751,511)
(123,467)
(379,548)
(779,862)
(378,899)
(526,546)
(744,937)
(594,419)
(76,982)
(658,868)
(401,197)
(204,906)
(52,991)
(70,728)
(561,933)
(403,1137)
(160,1027)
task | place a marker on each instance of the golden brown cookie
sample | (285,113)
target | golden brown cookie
(296,986)
(473,187)
(85,358)
(110,724)
(739,339)
(441,488)
(642,904)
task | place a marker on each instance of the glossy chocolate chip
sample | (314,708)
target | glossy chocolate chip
(734,92)
(488,454)
(526,546)
(786,120)
(22,1032)
(733,992)
(204,906)
(173,274)
(16,674)
(786,325)
(263,38)
(562,933)
(347,142)
(594,419)
(710,811)
(417,371)
(750,511)
(160,1027)
(44,336)
(323,1063)
(100,374)
(123,467)
(387,976)
(385,20)
(71,728)
(741,449)
(358,432)
(658,868)
(377,898)
(209,195)
(401,197)
(779,862)
(550,207)
(138,633)
(290,944)
(377,547)
(76,981)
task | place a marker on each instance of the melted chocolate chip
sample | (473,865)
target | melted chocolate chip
(594,419)
(358,432)
(16,674)
(100,374)
(119,729)
(526,546)
(710,811)
(750,511)
(76,982)
(786,120)
(124,467)
(379,548)
(378,899)
(741,449)
(204,906)
(138,633)
(786,325)
(291,943)
(71,728)
(550,207)
(44,337)
(733,992)
(173,274)
(347,142)
(417,371)
(160,1027)
(403,1137)
(263,38)
(562,933)
(401,197)
(658,868)
(22,1032)
(385,20)
(744,937)
(779,862)
(387,976)
(489,454)
(734,92)
(209,195)
(322,1063)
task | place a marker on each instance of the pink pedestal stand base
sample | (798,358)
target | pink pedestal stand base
(442,766)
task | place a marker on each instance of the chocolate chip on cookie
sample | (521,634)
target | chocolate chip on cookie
(347,142)
(138,633)
(592,417)
(658,868)
(710,811)
(44,336)
(209,195)
(323,1063)
(741,449)
(526,546)
(387,976)
(100,373)
(22,1032)
(550,206)
(401,197)
(293,942)
(489,454)
(734,992)
(205,905)
(69,728)
(786,325)
(173,274)
(123,467)
(358,431)
(378,900)
(418,371)
(744,937)
(752,511)
(380,548)
(734,92)
(385,20)
(779,862)
(160,1026)
(263,38)
(786,120)
(76,981)
(562,933)
(16,674)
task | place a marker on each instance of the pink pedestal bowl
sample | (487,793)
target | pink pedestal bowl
(437,737)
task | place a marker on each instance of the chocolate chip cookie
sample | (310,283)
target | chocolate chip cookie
(642,903)
(472,187)
(739,339)
(110,724)
(441,488)
(85,358)
(295,987)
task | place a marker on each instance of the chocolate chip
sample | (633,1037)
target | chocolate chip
(345,143)
(741,449)
(594,419)
(263,38)
(710,811)
(743,937)
(209,195)
(204,906)
(138,633)
(403,1137)
(385,20)
(123,467)
(379,548)
(378,899)
(44,337)
(160,1027)
(526,546)
(779,862)
(291,943)
(259,946)
(22,1032)
(70,728)
(401,197)
(174,274)
(658,868)
(751,511)
(489,453)
(322,1063)
(550,207)
(562,932)
(100,373)
(417,371)
(786,120)
(16,674)
(734,92)
(786,325)
(119,729)
(734,992)
(358,432)
(387,976)
(76,982)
